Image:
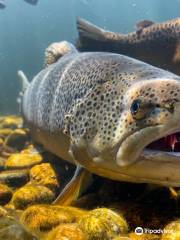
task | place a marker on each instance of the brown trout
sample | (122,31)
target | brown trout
(111,114)
(155,43)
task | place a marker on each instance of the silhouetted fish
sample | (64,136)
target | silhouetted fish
(32,2)
(2,4)
(155,43)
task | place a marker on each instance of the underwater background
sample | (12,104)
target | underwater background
(26,30)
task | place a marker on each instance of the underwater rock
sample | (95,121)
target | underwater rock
(40,219)
(17,139)
(66,232)
(10,229)
(32,194)
(5,194)
(11,122)
(3,212)
(2,162)
(103,223)
(121,238)
(5,150)
(172,231)
(44,174)
(134,236)
(23,160)
(14,178)
(4,132)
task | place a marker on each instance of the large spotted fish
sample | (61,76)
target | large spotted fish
(154,43)
(108,113)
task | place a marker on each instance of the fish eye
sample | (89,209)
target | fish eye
(135,106)
(136,110)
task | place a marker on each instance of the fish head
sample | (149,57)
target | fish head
(130,132)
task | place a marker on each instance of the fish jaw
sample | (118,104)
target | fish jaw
(135,144)
(151,167)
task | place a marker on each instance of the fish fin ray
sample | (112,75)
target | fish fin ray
(73,189)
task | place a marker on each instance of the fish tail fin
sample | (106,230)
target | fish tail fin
(88,30)
(74,188)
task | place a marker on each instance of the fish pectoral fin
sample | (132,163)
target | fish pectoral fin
(74,188)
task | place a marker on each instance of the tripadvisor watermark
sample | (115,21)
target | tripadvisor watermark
(140,231)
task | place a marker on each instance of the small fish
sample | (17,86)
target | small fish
(32,2)
(2,4)
(113,115)
(155,43)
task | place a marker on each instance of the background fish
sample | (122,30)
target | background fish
(2,4)
(32,2)
(157,44)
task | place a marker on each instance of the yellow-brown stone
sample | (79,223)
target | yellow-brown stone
(45,175)
(32,194)
(66,231)
(5,194)
(23,160)
(102,223)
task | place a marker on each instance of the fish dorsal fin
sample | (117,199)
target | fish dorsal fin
(143,24)
(57,50)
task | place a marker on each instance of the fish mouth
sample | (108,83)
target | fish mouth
(170,145)
(155,143)
(165,149)
(151,155)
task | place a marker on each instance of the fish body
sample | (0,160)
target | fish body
(102,111)
(155,43)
